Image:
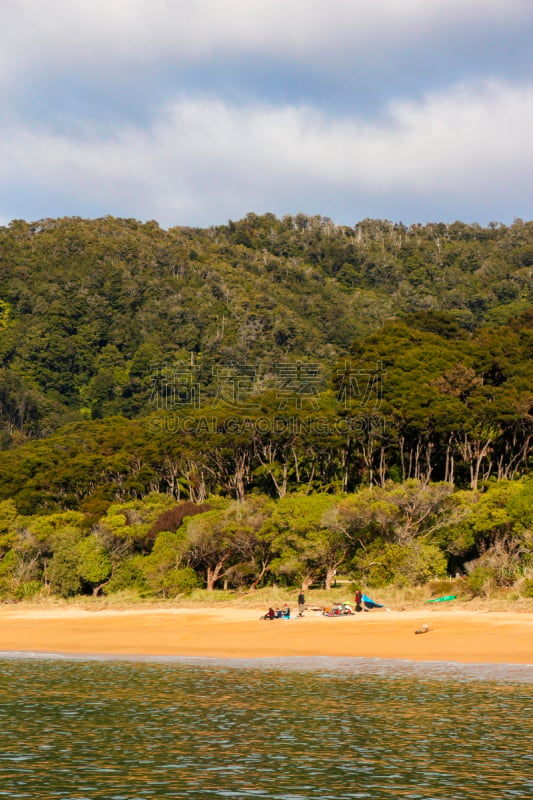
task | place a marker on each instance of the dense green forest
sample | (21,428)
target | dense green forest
(270,400)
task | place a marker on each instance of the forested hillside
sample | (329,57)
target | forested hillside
(89,307)
(364,394)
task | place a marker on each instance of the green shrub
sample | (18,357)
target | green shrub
(28,590)
(63,573)
(387,563)
(127,575)
(482,581)
(180,581)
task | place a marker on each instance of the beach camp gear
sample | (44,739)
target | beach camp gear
(444,599)
(368,603)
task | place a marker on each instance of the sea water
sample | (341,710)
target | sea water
(285,729)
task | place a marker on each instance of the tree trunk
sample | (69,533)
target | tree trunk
(216,572)
(306,582)
(330,575)
(255,583)
(450,464)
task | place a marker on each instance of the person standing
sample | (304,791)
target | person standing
(301,604)
(358,601)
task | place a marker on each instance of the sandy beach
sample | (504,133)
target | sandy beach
(455,635)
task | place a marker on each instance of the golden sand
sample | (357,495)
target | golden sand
(453,634)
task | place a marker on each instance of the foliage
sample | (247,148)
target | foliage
(482,581)
(405,535)
(180,582)
(161,566)
(63,570)
(171,519)
(384,563)
(94,562)
(91,311)
(127,574)
(28,590)
(267,400)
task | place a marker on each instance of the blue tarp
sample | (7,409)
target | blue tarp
(370,603)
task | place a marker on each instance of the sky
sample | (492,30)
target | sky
(195,112)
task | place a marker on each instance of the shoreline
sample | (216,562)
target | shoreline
(453,635)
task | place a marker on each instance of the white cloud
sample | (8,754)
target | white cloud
(56,33)
(203,161)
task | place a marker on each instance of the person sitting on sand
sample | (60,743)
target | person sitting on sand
(286,612)
(271,614)
(279,613)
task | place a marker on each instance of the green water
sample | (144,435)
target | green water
(125,729)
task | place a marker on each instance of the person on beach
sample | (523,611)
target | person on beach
(358,601)
(301,604)
(271,614)
(286,612)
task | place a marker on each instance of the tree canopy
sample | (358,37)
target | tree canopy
(271,399)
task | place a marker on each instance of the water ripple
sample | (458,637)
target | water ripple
(130,730)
